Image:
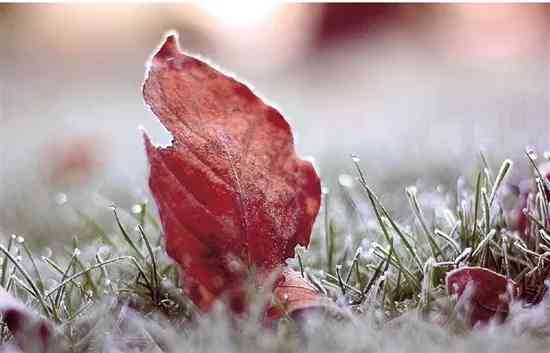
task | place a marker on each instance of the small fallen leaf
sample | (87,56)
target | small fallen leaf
(482,294)
(294,296)
(231,192)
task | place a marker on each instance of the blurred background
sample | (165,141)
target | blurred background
(415,90)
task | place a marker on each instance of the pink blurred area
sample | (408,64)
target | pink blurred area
(416,90)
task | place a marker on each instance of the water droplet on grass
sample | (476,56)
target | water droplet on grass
(355,158)
(531,153)
(47,252)
(412,190)
(61,198)
(346,180)
(137,209)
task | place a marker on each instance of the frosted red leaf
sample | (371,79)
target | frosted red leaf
(294,295)
(231,192)
(483,294)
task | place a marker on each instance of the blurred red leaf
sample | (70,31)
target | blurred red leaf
(483,294)
(31,333)
(231,192)
(75,160)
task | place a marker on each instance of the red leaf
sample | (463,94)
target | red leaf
(231,192)
(527,187)
(294,295)
(31,333)
(482,293)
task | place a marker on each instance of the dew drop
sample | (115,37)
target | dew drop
(137,209)
(547,155)
(531,153)
(76,252)
(13,237)
(325,190)
(346,180)
(47,252)
(60,198)
(355,158)
(411,190)
(20,240)
(18,258)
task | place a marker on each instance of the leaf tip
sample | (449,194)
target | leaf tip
(169,48)
(149,147)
